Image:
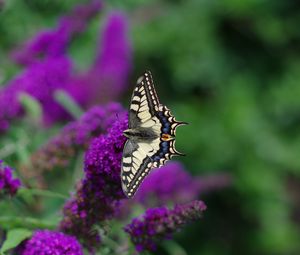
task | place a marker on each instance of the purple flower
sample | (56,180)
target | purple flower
(48,68)
(58,151)
(107,77)
(54,42)
(8,184)
(160,223)
(40,80)
(114,58)
(171,183)
(46,242)
(98,194)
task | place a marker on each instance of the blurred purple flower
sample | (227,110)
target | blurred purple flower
(171,183)
(46,242)
(98,194)
(107,78)
(49,69)
(160,223)
(74,137)
(113,60)
(8,184)
(213,182)
(54,42)
(40,81)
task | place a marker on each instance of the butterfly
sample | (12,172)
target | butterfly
(151,135)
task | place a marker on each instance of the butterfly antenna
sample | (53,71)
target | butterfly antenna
(181,123)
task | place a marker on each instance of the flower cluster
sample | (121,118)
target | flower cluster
(107,77)
(46,242)
(8,184)
(48,68)
(160,223)
(113,61)
(74,137)
(44,75)
(98,195)
(40,80)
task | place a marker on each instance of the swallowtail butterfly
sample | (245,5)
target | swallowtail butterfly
(151,135)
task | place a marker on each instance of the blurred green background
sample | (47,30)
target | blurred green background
(232,70)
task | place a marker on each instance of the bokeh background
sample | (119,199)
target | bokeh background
(231,69)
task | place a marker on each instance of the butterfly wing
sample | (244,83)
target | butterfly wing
(136,164)
(144,103)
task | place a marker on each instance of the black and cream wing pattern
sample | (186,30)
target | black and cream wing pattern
(151,135)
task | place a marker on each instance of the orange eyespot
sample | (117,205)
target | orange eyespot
(166,137)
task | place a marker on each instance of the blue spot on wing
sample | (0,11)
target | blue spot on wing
(164,148)
(166,127)
(157,158)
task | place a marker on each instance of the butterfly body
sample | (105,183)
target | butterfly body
(151,135)
(141,134)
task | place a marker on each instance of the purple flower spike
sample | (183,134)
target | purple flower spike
(160,223)
(46,242)
(114,60)
(98,195)
(74,137)
(8,184)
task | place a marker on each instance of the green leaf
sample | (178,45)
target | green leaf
(66,101)
(14,238)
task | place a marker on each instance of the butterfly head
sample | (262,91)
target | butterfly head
(128,133)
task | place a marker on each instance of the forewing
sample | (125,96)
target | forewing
(144,102)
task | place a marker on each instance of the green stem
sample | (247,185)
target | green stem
(65,100)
